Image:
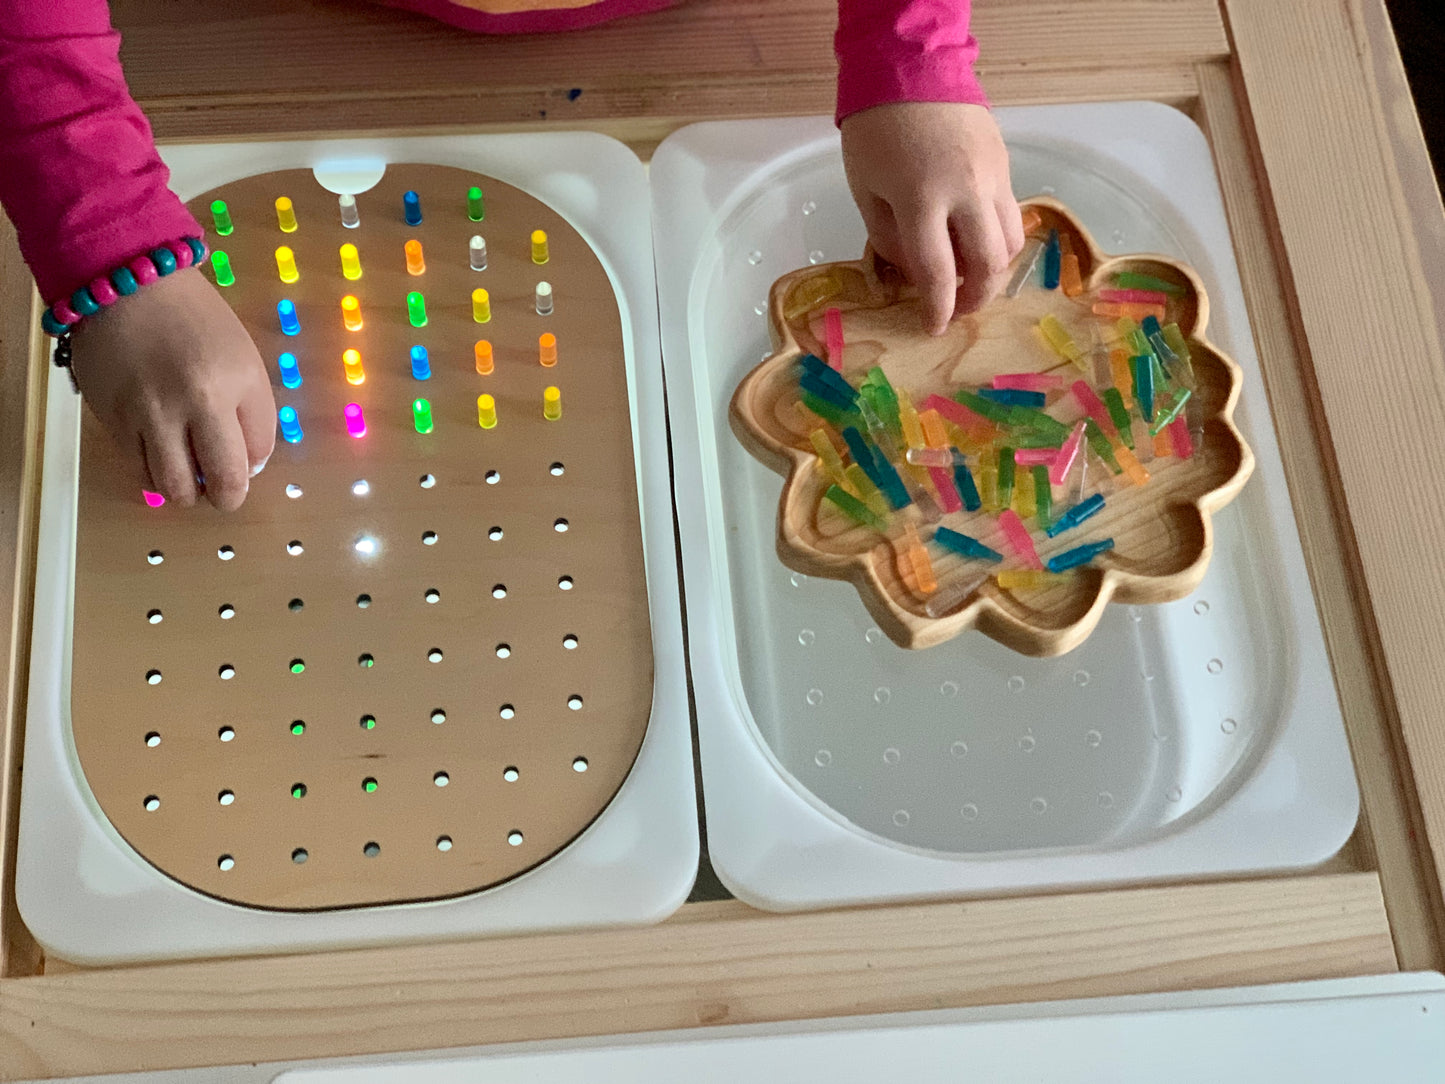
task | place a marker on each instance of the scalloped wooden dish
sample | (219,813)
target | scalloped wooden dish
(1163,532)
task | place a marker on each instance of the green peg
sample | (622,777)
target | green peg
(416,309)
(222,218)
(476,206)
(421,415)
(221,263)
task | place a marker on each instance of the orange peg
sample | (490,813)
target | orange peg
(415,264)
(484,357)
(547,345)
(351,312)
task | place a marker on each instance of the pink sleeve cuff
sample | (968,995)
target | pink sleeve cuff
(905,51)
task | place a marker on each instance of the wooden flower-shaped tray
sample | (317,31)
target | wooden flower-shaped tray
(923,592)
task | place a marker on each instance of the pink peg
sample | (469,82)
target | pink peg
(948,497)
(1094,408)
(1035,457)
(1018,538)
(1059,470)
(1135,297)
(1028,381)
(1178,431)
(355,422)
(833,333)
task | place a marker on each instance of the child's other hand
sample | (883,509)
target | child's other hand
(932,182)
(173,375)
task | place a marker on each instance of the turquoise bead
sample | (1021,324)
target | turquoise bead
(164,259)
(83,303)
(124,281)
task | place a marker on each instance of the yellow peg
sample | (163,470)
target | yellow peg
(350,262)
(285,215)
(539,246)
(286,264)
(484,357)
(481,306)
(351,313)
(415,264)
(552,404)
(355,374)
(486,412)
(547,350)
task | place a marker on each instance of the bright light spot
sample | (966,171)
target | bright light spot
(366,546)
(361,487)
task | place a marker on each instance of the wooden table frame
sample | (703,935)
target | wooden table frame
(1340,238)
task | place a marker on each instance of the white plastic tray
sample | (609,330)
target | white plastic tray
(88,897)
(1195,738)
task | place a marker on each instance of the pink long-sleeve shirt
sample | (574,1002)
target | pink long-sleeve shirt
(81,179)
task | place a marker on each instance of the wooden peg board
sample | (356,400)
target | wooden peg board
(332,728)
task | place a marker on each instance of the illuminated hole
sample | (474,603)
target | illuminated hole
(504,651)
(438,715)
(299,855)
(155,557)
(227,612)
(441,779)
(363,601)
(427,481)
(560,526)
(507,711)
(153,739)
(153,677)
(226,733)
(429,538)
(495,534)
(295,605)
(369,785)
(444,843)
(298,727)
(569,642)
(580,764)
(226,797)
(360,488)
(493,477)
(366,545)
(225,863)
(227,672)
(564,583)
(574,702)
(152,803)
(499,590)
(556,470)
(293,490)
(298,790)
(298,665)
(372,849)
(295,548)
(433,595)
(514,837)
(154,617)
(366,662)
(225,553)
(368,722)
(434,655)
(510,774)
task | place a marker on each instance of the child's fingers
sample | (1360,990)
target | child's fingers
(982,256)
(168,458)
(1012,223)
(221,455)
(928,259)
(257,418)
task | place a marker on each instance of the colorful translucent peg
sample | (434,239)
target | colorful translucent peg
(415,263)
(486,412)
(552,403)
(290,370)
(421,416)
(547,350)
(1085,509)
(964,545)
(290,322)
(544,299)
(483,353)
(1079,555)
(351,312)
(221,264)
(477,253)
(411,208)
(222,218)
(355,420)
(854,509)
(1018,539)
(286,264)
(416,309)
(350,262)
(833,336)
(285,215)
(290,425)
(1060,340)
(350,215)
(540,253)
(1015,579)
(1053,261)
(481,306)
(351,361)
(420,363)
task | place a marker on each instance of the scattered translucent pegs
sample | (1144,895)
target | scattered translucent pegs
(290,322)
(416,309)
(552,403)
(222,218)
(285,215)
(547,350)
(486,412)
(411,208)
(540,254)
(481,306)
(286,265)
(290,424)
(478,253)
(351,360)
(421,416)
(415,264)
(484,357)
(290,370)
(351,312)
(221,264)
(350,262)
(355,420)
(544,299)
(350,215)
(476,206)
(420,363)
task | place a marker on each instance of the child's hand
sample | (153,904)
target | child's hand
(173,375)
(932,182)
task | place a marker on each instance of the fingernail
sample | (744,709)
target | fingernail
(259,467)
